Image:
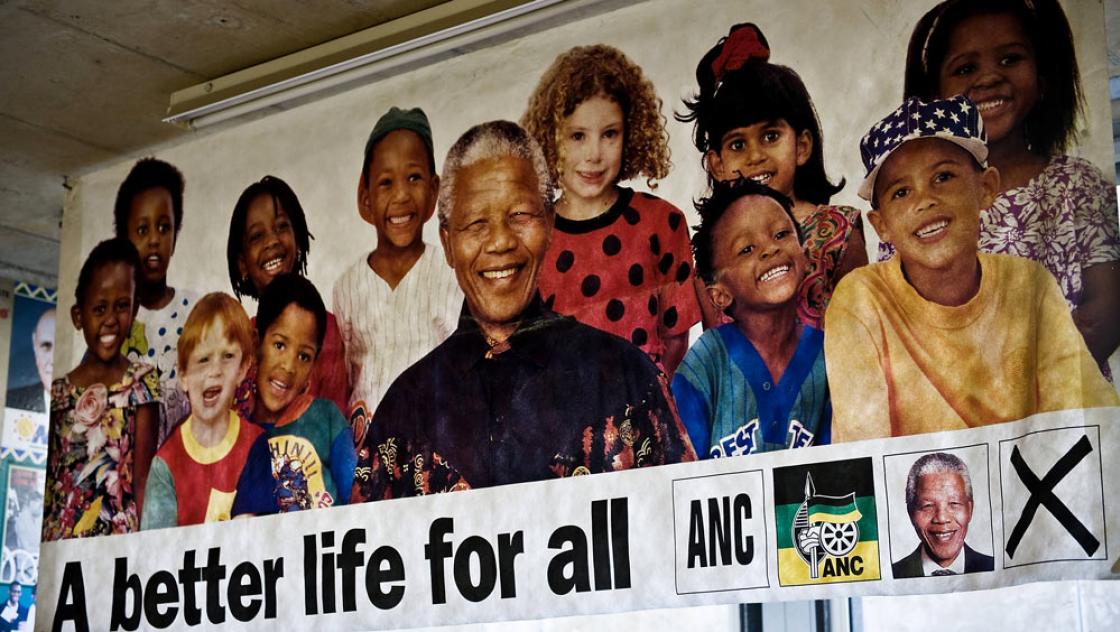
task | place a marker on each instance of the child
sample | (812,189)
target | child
(268,236)
(399,301)
(758,383)
(941,338)
(618,260)
(149,213)
(104,413)
(754,119)
(194,474)
(305,458)
(1015,59)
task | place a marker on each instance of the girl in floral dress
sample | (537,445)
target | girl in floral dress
(1015,60)
(104,413)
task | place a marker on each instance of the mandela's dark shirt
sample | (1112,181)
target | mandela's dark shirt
(562,399)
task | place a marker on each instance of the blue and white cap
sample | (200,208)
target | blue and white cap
(956,120)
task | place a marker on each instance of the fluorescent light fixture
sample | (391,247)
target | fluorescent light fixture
(411,39)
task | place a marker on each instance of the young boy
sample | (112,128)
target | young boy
(193,478)
(401,300)
(758,383)
(942,337)
(149,213)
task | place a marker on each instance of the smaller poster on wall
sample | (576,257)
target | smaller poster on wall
(30,366)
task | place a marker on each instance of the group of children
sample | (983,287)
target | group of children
(249,417)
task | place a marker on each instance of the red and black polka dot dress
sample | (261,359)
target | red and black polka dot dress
(627,271)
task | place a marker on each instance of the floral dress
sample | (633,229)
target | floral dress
(90,489)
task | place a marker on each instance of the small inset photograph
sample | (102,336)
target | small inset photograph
(939,512)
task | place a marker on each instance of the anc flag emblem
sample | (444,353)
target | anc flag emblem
(826,535)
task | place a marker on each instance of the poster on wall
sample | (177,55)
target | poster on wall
(30,362)
(866,366)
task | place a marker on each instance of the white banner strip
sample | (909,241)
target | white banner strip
(817,523)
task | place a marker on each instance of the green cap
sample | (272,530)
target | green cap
(413,120)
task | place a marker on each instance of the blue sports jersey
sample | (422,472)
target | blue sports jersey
(731,406)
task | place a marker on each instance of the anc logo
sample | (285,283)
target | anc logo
(827,534)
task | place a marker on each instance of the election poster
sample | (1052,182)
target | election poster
(589,317)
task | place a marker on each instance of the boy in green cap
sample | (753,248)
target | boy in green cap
(400,300)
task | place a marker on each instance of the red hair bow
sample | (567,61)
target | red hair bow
(743,44)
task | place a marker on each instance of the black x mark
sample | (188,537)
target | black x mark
(1042,493)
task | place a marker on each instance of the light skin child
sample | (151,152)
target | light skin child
(928,196)
(991,59)
(104,317)
(151,228)
(397,198)
(590,162)
(759,264)
(215,368)
(286,355)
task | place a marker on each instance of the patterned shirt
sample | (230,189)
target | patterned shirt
(560,399)
(627,271)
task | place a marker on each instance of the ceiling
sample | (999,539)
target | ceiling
(87,82)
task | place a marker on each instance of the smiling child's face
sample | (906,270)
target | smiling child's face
(758,261)
(286,357)
(930,192)
(768,152)
(591,149)
(214,369)
(151,228)
(990,60)
(399,195)
(268,248)
(106,311)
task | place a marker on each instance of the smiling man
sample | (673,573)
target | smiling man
(517,393)
(34,397)
(939,502)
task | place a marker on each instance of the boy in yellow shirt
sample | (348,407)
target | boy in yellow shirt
(943,337)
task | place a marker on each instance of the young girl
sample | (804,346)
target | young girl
(268,236)
(1015,60)
(104,413)
(305,459)
(619,260)
(149,213)
(754,119)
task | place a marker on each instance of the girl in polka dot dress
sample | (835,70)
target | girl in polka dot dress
(754,119)
(149,213)
(619,259)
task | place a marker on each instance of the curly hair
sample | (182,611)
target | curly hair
(283,199)
(1050,126)
(585,72)
(714,207)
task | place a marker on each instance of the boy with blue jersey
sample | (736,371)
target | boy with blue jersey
(758,383)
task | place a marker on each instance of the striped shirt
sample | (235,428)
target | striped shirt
(386,330)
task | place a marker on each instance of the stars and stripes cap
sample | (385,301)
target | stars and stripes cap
(955,120)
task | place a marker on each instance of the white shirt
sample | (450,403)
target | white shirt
(929,566)
(386,330)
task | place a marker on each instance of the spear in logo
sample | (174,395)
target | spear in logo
(801,524)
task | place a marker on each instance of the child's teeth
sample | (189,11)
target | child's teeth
(990,105)
(932,228)
(761,178)
(402,219)
(272,264)
(499,274)
(108,339)
(774,273)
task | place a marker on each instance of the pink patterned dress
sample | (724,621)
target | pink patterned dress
(90,487)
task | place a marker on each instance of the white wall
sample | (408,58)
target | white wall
(850,55)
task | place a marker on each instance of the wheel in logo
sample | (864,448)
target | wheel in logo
(839,539)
